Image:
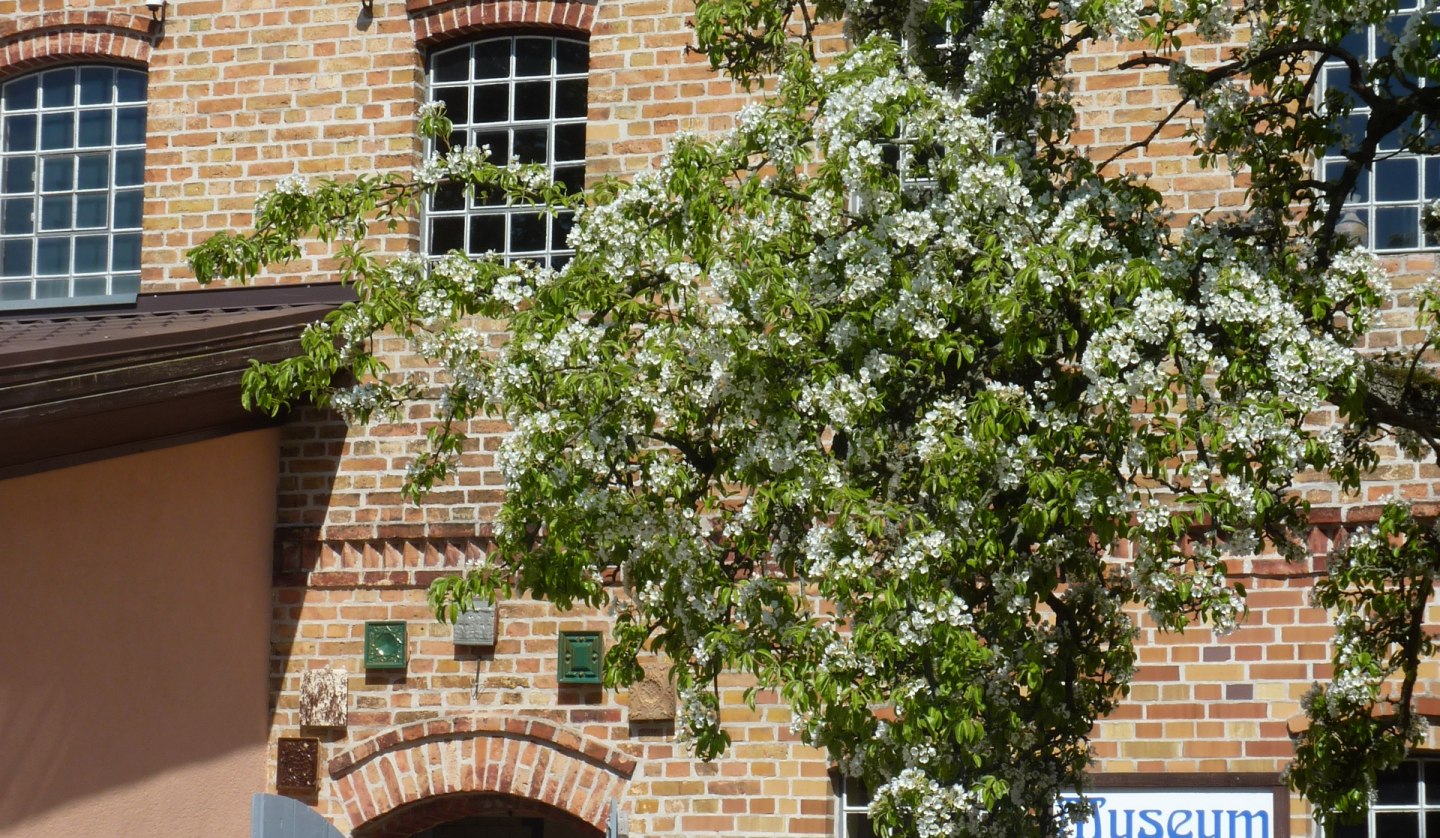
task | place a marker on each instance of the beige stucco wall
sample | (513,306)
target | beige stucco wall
(134,626)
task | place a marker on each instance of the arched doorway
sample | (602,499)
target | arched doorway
(477,815)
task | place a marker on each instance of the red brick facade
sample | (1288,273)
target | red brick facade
(243,92)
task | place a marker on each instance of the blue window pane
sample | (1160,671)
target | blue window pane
(560,229)
(59,174)
(57,131)
(128,284)
(17,216)
(91,253)
(14,290)
(90,286)
(1357,43)
(127,209)
(1432,178)
(94,128)
(1397,824)
(1397,180)
(21,94)
(499,142)
(1397,228)
(126,253)
(52,290)
(130,167)
(52,257)
(15,258)
(530,145)
(19,175)
(1335,170)
(55,212)
(96,85)
(20,133)
(94,171)
(90,210)
(129,86)
(58,88)
(129,126)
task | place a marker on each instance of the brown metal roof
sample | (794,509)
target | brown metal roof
(77,385)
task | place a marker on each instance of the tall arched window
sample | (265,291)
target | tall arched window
(525,97)
(72,172)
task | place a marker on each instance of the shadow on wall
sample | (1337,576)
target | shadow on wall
(135,613)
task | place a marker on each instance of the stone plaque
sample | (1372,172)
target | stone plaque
(324,698)
(297,765)
(476,627)
(653,698)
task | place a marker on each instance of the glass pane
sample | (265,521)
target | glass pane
(1397,180)
(21,94)
(127,209)
(1397,228)
(572,176)
(52,290)
(570,98)
(560,227)
(90,254)
(492,59)
(1338,80)
(1357,43)
(17,216)
(96,85)
(126,253)
(1399,787)
(457,102)
(499,142)
(1432,784)
(20,133)
(1432,823)
(451,65)
(52,257)
(1397,824)
(448,196)
(532,100)
(94,128)
(571,57)
(857,825)
(492,103)
(458,140)
(530,144)
(446,234)
(59,174)
(55,212)
(95,171)
(570,141)
(128,284)
(527,232)
(90,286)
(58,88)
(1432,178)
(130,126)
(487,233)
(90,210)
(57,130)
(15,259)
(532,56)
(19,175)
(13,290)
(129,86)
(130,167)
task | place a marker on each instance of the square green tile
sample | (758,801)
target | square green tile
(581,654)
(386,644)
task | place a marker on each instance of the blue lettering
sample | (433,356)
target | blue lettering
(1178,819)
(1096,804)
(1151,819)
(1214,832)
(1115,826)
(1249,818)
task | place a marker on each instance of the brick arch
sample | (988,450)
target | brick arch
(33,41)
(526,759)
(439,20)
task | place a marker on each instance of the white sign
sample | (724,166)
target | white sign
(1221,813)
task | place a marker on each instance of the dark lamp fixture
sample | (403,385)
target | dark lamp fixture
(157,9)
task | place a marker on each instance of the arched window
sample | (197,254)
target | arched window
(525,97)
(72,172)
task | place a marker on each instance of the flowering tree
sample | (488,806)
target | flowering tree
(861,398)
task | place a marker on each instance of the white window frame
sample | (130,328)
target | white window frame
(1365,203)
(1426,812)
(479,216)
(54,206)
(845,806)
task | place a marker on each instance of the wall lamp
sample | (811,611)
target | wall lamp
(157,9)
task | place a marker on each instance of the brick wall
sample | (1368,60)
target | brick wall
(243,92)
